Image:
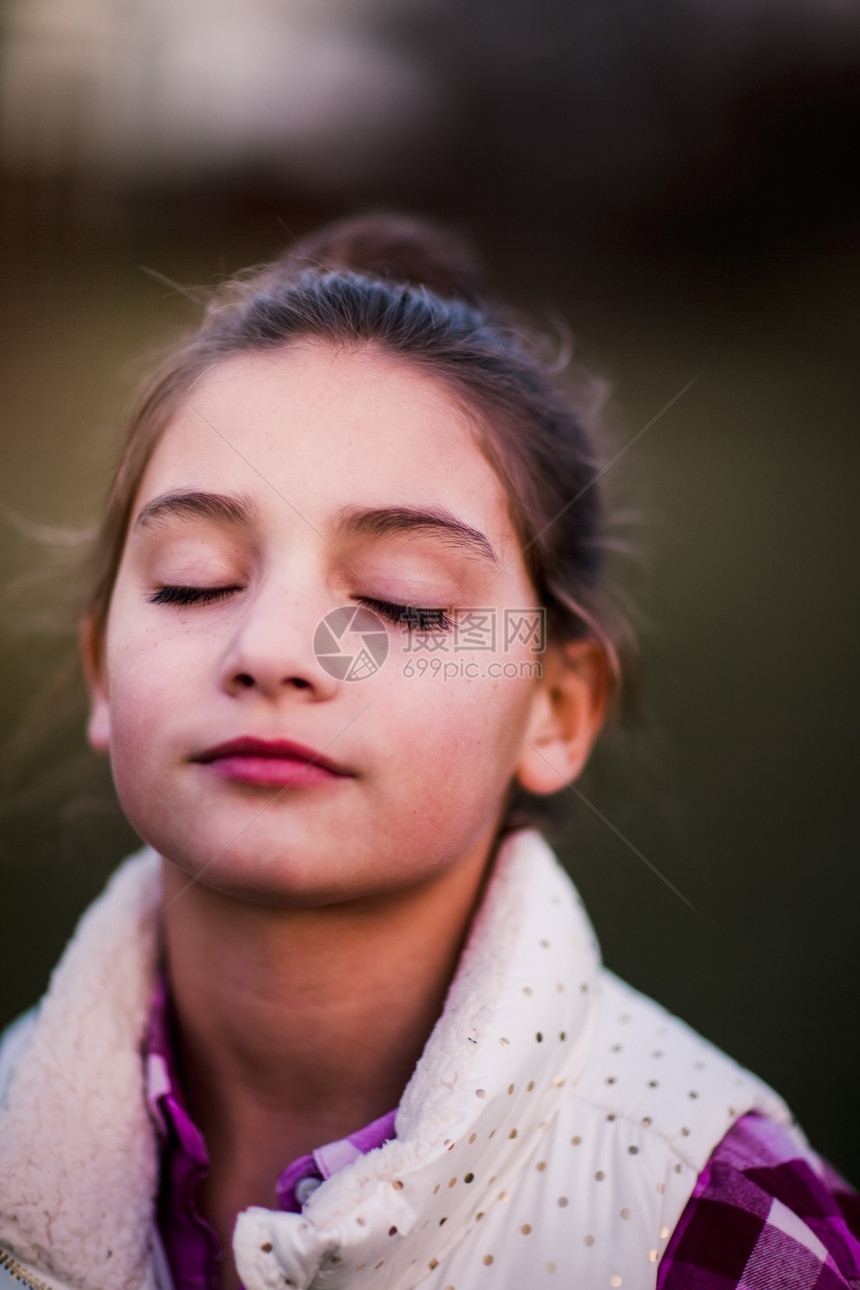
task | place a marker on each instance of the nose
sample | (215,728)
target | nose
(271,649)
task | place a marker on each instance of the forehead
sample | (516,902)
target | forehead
(322,429)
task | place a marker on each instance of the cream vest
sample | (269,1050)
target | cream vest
(551,1134)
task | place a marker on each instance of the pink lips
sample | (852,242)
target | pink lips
(276,762)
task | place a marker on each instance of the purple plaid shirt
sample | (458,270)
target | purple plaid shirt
(762,1216)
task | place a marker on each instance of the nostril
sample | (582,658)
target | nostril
(245,680)
(300,683)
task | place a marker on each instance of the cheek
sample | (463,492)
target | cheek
(459,732)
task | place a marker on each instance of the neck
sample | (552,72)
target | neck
(298,1026)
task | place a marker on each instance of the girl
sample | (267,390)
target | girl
(343,1021)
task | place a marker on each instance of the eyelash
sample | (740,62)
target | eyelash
(420,620)
(190,595)
(416,619)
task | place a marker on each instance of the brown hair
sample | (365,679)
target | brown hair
(411,288)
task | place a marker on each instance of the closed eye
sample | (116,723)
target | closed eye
(191,595)
(411,616)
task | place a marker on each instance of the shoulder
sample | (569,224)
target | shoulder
(766,1211)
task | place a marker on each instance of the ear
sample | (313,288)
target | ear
(566,716)
(92,657)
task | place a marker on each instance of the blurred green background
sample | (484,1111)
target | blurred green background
(678,181)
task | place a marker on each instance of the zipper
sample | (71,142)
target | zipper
(21,1274)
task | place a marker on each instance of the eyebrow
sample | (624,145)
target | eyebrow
(379,522)
(353,521)
(220,508)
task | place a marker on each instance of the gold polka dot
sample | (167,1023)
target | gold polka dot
(467,1178)
(397,1185)
(610,1117)
(392,1231)
(480,1092)
(625,1213)
(657,1053)
(588,1240)
(576,1140)
(539,1037)
(616,1048)
(653,1256)
(653,1083)
(530,1086)
(488,1258)
(692,1093)
(677,1169)
(562,1202)
(540,1166)
(504,1196)
(550,1267)
(267,1247)
(559,985)
(528,990)
(451,1182)
(558,1082)
(449,1144)
(600,1175)
(434,1263)
(479,1216)
(610,1079)
(526,1228)
(685,1132)
(362,1222)
(645,1121)
(545,944)
(563,1035)
(436,1188)
(378,1265)
(360,1268)
(633,1151)
(661,1187)
(473,1137)
(510,1088)
(513,1133)
(443,1221)
(449,1288)
(664,1232)
(506,1043)
(615,1281)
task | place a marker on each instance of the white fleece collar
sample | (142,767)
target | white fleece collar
(78,1148)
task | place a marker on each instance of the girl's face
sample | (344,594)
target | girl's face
(293,483)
